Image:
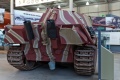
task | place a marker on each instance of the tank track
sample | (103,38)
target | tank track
(17,59)
(85,61)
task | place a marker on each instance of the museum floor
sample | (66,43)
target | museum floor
(7,72)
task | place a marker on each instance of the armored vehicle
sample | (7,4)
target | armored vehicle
(59,36)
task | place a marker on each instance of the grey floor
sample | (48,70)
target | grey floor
(7,72)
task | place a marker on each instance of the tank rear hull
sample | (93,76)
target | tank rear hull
(56,39)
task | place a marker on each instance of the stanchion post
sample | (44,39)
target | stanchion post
(99,55)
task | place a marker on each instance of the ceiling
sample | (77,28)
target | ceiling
(63,3)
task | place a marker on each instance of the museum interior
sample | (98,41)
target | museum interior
(59,39)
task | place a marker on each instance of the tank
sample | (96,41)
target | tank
(59,36)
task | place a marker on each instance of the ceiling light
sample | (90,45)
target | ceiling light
(38,9)
(59,6)
(87,3)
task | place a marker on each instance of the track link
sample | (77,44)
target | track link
(17,59)
(84,61)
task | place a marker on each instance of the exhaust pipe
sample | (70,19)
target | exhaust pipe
(29,30)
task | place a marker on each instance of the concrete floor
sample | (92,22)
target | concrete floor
(7,72)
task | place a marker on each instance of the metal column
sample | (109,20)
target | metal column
(12,11)
(71,5)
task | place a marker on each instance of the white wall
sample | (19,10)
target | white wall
(93,10)
(97,10)
(102,9)
(74,9)
(43,10)
(115,8)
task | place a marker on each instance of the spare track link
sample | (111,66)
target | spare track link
(17,59)
(84,61)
